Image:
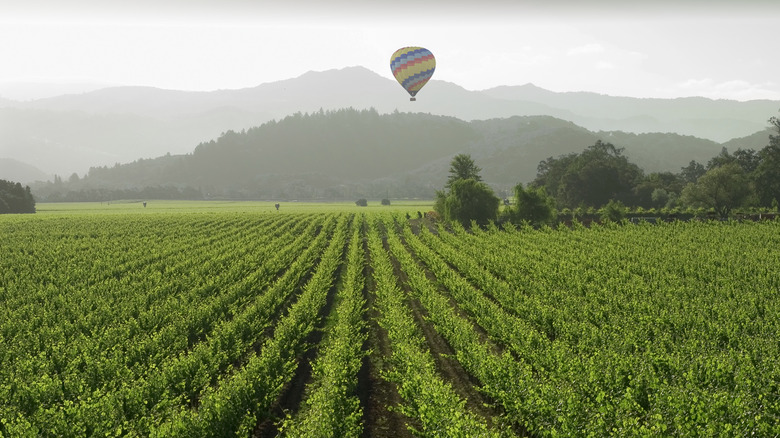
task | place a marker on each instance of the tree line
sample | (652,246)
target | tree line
(276,161)
(601,173)
(15,199)
(601,177)
(103,194)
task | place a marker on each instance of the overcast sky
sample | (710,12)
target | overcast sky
(661,48)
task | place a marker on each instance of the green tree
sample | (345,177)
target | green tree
(657,188)
(362,202)
(467,200)
(722,188)
(767,173)
(614,211)
(15,199)
(550,172)
(532,205)
(594,177)
(748,159)
(463,167)
(692,172)
(468,197)
(721,159)
(661,198)
(438,204)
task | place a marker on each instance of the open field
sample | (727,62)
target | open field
(157,206)
(211,319)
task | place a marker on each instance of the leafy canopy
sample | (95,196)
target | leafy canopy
(532,205)
(463,167)
(468,197)
(15,199)
(467,200)
(593,178)
(767,172)
(722,188)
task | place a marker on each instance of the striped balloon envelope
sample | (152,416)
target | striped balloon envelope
(412,68)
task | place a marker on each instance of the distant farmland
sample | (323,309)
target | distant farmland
(360,322)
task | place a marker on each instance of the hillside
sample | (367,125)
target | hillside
(718,120)
(12,170)
(71,133)
(350,153)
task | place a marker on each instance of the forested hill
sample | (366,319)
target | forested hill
(70,133)
(346,154)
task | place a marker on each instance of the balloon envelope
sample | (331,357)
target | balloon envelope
(412,67)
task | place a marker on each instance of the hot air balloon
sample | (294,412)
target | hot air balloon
(412,68)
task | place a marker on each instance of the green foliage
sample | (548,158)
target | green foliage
(385,201)
(661,198)
(470,200)
(191,324)
(597,175)
(692,172)
(362,202)
(346,154)
(439,202)
(722,188)
(463,167)
(747,159)
(334,154)
(237,404)
(533,206)
(147,372)
(332,408)
(588,367)
(657,190)
(614,211)
(15,199)
(767,172)
(74,194)
(428,398)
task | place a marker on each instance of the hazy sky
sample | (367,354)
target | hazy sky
(661,48)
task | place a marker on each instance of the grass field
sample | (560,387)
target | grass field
(157,206)
(230,318)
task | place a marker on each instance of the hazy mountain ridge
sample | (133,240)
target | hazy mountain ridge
(22,91)
(718,120)
(351,153)
(71,133)
(16,171)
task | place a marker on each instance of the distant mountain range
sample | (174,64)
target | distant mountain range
(31,90)
(71,133)
(16,171)
(348,154)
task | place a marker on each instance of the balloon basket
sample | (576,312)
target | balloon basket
(412,99)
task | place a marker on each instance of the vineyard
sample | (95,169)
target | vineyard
(348,324)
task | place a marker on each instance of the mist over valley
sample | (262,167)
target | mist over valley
(340,133)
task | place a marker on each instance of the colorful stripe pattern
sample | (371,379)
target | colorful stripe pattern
(412,67)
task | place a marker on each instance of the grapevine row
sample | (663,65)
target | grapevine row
(332,408)
(429,399)
(243,398)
